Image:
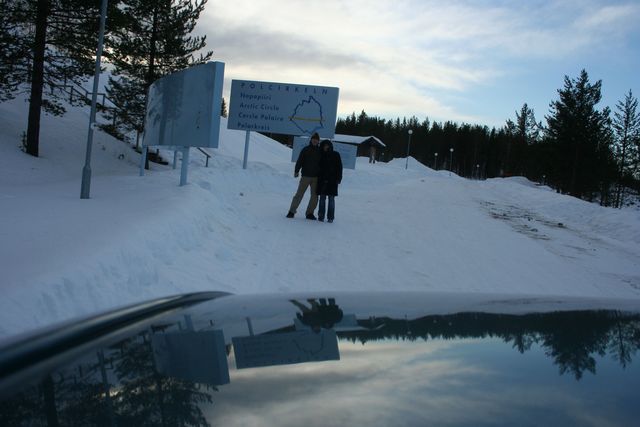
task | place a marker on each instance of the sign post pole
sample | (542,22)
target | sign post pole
(246,150)
(143,159)
(85,188)
(410,132)
(185,166)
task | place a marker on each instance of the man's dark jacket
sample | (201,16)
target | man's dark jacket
(309,161)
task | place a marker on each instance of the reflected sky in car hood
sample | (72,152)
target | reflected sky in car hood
(402,359)
(441,382)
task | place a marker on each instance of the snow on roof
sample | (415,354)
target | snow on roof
(353,139)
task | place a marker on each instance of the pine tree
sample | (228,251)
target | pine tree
(511,130)
(626,125)
(581,136)
(13,47)
(223,109)
(61,40)
(154,40)
(361,123)
(521,133)
(528,130)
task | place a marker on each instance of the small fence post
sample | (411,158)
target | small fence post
(185,166)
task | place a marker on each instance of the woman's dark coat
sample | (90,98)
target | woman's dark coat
(330,171)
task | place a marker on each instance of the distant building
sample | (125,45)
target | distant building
(368,146)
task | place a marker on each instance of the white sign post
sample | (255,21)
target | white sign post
(285,348)
(183,110)
(284,108)
(348,152)
(246,150)
(197,356)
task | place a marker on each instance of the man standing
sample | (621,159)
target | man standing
(309,163)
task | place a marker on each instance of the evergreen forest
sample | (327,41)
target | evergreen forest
(581,149)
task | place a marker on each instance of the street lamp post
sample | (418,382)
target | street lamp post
(450,160)
(86,170)
(410,132)
(435,161)
(477,172)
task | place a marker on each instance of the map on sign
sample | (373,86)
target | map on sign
(308,116)
(285,108)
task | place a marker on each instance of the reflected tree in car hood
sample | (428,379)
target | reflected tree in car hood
(570,339)
(144,397)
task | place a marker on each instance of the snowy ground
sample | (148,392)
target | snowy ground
(395,229)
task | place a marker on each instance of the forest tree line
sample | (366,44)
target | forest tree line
(582,150)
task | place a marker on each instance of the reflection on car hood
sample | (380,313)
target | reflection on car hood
(349,359)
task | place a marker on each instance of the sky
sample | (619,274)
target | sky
(466,61)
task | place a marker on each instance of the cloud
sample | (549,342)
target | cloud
(397,58)
(290,394)
(444,382)
(255,46)
(612,20)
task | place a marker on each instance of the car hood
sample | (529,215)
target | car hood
(333,358)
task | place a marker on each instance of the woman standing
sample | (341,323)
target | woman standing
(329,178)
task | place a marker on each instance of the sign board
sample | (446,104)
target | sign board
(192,356)
(285,108)
(183,108)
(285,348)
(348,152)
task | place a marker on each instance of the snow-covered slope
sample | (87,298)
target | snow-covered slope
(395,229)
